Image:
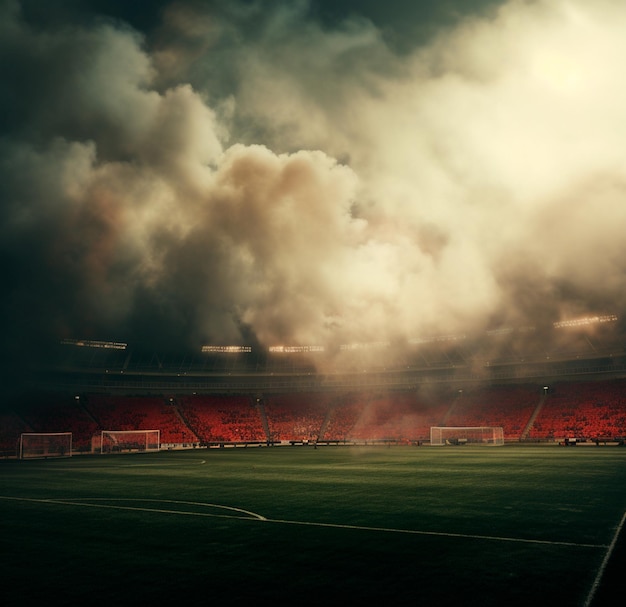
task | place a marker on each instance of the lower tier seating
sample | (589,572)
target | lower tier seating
(591,410)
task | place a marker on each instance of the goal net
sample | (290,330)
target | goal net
(45,444)
(127,441)
(468,435)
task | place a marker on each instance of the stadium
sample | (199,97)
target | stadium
(311,302)
(570,391)
(320,482)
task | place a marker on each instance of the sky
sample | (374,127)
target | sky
(309,173)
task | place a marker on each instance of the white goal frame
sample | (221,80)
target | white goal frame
(42,445)
(129,441)
(466,435)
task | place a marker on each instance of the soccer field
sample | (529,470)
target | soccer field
(473,525)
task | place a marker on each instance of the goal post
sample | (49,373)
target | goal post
(466,435)
(129,441)
(45,444)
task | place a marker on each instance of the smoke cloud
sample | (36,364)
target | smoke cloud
(245,174)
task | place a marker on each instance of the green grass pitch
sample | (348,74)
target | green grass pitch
(482,526)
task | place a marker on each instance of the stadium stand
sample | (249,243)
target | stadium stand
(397,416)
(296,417)
(140,413)
(53,412)
(343,414)
(11,427)
(592,411)
(507,406)
(583,410)
(219,419)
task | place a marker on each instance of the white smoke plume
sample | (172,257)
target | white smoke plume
(301,183)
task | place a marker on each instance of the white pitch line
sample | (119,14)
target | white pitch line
(605,562)
(255,516)
(439,534)
(85,502)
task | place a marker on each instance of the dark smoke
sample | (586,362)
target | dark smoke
(309,180)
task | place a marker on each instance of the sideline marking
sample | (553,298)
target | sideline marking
(259,517)
(605,562)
